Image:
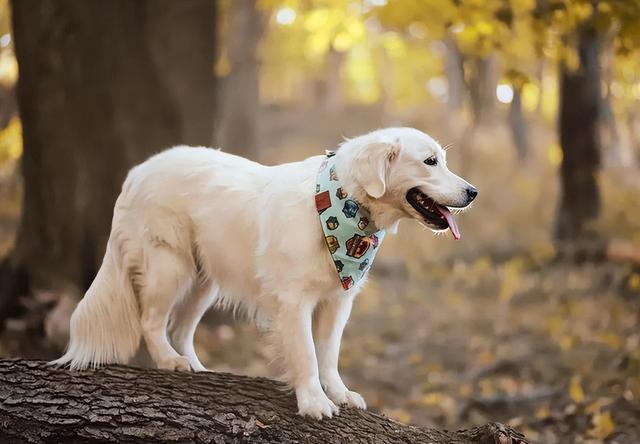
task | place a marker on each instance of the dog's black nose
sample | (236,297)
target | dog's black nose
(472,192)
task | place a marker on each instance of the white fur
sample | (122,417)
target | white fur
(193,226)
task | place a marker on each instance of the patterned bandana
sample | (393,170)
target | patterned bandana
(351,236)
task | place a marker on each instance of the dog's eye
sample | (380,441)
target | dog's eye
(431,161)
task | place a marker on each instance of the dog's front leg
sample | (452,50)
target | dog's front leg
(294,327)
(330,321)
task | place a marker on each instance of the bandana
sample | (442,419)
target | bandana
(351,236)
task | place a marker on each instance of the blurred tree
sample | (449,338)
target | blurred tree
(483,79)
(454,69)
(580,108)
(518,124)
(103,85)
(241,95)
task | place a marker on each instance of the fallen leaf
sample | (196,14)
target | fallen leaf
(575,390)
(603,425)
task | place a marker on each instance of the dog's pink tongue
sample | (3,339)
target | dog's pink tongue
(451,220)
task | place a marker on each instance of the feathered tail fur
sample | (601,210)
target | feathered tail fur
(105,326)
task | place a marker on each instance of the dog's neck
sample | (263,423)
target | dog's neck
(384,214)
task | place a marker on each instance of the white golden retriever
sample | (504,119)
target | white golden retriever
(195,226)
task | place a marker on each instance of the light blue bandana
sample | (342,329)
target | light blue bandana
(351,236)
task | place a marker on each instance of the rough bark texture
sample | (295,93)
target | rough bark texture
(580,100)
(39,404)
(103,85)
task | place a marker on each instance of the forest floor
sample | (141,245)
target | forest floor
(454,334)
(551,349)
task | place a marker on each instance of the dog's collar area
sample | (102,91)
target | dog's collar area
(351,237)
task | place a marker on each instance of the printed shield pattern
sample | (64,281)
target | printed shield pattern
(350,235)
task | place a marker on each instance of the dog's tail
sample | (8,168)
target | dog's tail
(105,326)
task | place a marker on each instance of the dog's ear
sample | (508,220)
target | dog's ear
(371,166)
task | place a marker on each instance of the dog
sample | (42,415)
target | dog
(195,226)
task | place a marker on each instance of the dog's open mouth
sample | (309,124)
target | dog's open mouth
(432,212)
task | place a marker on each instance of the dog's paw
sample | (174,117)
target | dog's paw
(179,363)
(316,405)
(347,397)
(339,393)
(197,366)
(355,399)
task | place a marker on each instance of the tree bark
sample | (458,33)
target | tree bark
(39,404)
(103,85)
(580,101)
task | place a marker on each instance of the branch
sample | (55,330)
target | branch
(122,404)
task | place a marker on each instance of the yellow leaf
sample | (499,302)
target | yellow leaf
(565,342)
(431,399)
(510,280)
(543,412)
(611,339)
(342,42)
(575,390)
(603,425)
(484,27)
(604,7)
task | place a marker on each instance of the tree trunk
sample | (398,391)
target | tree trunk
(103,85)
(482,89)
(518,125)
(239,125)
(580,101)
(633,128)
(328,91)
(39,404)
(614,152)
(454,69)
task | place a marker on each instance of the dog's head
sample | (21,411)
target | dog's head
(403,170)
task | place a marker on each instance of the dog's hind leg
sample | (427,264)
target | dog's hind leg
(330,319)
(167,279)
(185,319)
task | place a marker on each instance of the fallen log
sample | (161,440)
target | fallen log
(39,404)
(622,251)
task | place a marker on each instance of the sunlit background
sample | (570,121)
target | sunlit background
(449,334)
